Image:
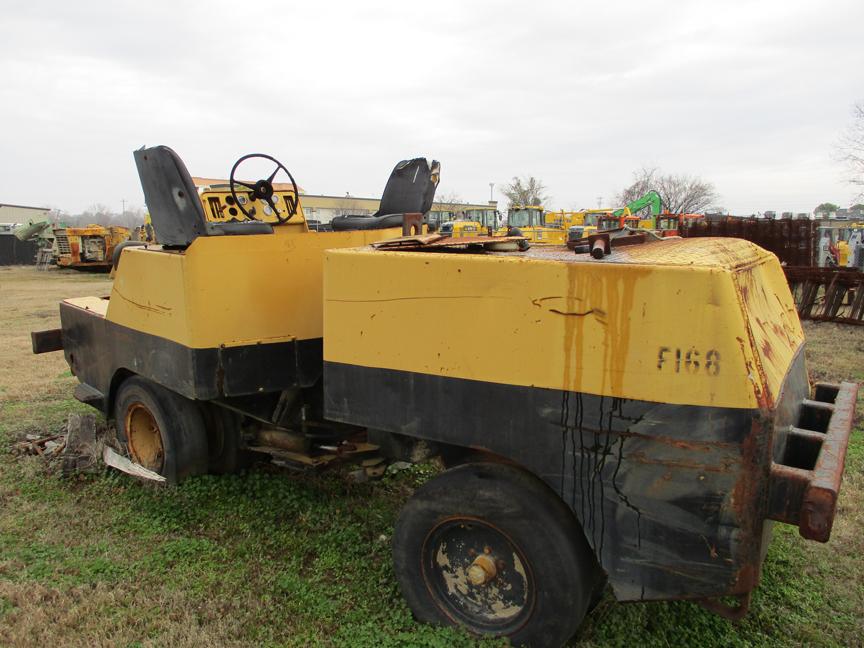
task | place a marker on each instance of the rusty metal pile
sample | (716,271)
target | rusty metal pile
(793,240)
(827,294)
(43,445)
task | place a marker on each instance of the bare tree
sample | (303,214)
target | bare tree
(681,193)
(99,214)
(134,217)
(851,148)
(448,201)
(525,191)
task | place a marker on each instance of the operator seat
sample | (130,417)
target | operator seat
(172,199)
(410,190)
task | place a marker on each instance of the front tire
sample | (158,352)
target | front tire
(491,548)
(161,430)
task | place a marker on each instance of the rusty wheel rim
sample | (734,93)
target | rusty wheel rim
(478,577)
(144,438)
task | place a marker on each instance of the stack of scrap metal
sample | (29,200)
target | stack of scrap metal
(47,445)
(793,240)
(828,294)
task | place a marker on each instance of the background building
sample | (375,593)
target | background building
(13,251)
(22,213)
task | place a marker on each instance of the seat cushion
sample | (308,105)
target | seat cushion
(345,223)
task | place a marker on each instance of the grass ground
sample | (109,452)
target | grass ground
(272,559)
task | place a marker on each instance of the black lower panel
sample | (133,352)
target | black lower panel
(96,349)
(652,484)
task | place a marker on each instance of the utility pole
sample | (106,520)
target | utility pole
(599,201)
(123,201)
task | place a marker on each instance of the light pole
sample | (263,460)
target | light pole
(491,189)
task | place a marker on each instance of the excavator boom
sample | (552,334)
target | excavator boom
(651,199)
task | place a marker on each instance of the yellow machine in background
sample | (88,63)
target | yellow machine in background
(531,223)
(472,222)
(87,248)
(564,219)
(145,233)
(584,217)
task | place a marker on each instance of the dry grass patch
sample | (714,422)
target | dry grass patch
(110,615)
(30,298)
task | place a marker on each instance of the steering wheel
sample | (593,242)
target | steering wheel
(263,189)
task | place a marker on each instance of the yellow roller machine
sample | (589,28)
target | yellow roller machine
(640,419)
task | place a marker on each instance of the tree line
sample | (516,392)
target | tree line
(100,214)
(681,193)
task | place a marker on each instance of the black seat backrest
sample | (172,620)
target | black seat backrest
(172,200)
(177,214)
(410,188)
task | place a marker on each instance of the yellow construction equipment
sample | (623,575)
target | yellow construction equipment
(529,221)
(584,217)
(636,416)
(87,248)
(564,219)
(472,222)
(144,233)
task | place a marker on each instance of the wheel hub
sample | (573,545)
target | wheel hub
(144,438)
(482,570)
(478,577)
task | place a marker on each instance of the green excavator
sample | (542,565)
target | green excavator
(651,199)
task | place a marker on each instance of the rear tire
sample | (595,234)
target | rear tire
(226,456)
(161,430)
(491,548)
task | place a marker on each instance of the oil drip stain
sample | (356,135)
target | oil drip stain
(565,415)
(623,497)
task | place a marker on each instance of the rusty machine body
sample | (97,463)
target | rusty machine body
(87,248)
(639,417)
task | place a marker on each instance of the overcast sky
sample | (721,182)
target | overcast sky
(749,95)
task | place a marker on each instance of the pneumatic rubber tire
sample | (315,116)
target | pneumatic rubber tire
(226,456)
(177,427)
(546,572)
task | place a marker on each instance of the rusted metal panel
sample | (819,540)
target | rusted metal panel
(806,473)
(47,341)
(412,223)
(820,499)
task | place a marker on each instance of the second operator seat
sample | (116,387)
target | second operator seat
(410,190)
